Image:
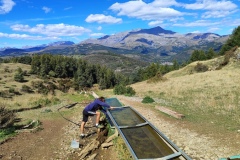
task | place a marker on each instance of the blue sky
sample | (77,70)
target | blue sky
(35,22)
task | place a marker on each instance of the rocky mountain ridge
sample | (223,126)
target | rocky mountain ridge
(154,44)
(155,38)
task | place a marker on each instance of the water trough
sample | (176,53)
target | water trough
(143,140)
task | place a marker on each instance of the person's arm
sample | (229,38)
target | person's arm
(103,104)
(111,107)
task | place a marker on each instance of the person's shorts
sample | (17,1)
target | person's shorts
(86,114)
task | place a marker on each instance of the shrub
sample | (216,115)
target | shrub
(5,133)
(52,74)
(26,89)
(158,77)
(121,89)
(6,69)
(7,117)
(229,54)
(130,91)
(201,67)
(19,76)
(11,90)
(147,99)
(42,102)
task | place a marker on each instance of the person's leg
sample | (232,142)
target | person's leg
(84,121)
(98,114)
(97,117)
(82,127)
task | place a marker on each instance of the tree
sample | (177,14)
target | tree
(175,65)
(233,41)
(19,76)
(35,65)
(198,55)
(210,53)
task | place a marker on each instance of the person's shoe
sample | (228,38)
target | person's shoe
(99,126)
(82,136)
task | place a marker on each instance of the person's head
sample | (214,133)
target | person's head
(102,99)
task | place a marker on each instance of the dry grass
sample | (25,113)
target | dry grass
(207,97)
(210,97)
(28,100)
(7,72)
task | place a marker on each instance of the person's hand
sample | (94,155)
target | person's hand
(111,107)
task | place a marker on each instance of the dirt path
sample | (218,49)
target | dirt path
(43,144)
(53,142)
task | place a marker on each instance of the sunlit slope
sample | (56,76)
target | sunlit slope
(200,95)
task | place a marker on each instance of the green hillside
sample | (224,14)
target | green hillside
(210,98)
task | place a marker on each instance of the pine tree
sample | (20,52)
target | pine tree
(233,41)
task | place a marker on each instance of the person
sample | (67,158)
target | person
(91,110)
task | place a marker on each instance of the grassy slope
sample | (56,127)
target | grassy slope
(211,98)
(28,100)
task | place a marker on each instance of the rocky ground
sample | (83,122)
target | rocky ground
(54,140)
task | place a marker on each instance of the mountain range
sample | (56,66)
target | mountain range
(152,45)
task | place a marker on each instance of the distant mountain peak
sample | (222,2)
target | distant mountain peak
(155,31)
(104,37)
(58,43)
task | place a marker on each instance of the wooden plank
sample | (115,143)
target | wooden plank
(95,95)
(170,112)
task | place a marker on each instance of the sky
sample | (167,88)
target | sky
(26,23)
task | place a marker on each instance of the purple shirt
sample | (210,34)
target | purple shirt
(95,105)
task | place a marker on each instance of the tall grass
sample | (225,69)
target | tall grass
(210,97)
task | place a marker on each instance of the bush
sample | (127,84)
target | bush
(26,89)
(7,117)
(147,99)
(201,67)
(121,89)
(5,133)
(19,76)
(42,102)
(11,90)
(130,91)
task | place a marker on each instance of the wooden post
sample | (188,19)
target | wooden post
(170,112)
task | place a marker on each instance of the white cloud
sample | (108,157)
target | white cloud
(235,22)
(46,9)
(216,14)
(6,6)
(99,28)
(52,29)
(68,8)
(157,10)
(164,3)
(155,23)
(213,29)
(212,5)
(195,32)
(101,18)
(200,23)
(27,37)
(96,34)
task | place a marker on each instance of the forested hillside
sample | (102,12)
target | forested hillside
(79,72)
